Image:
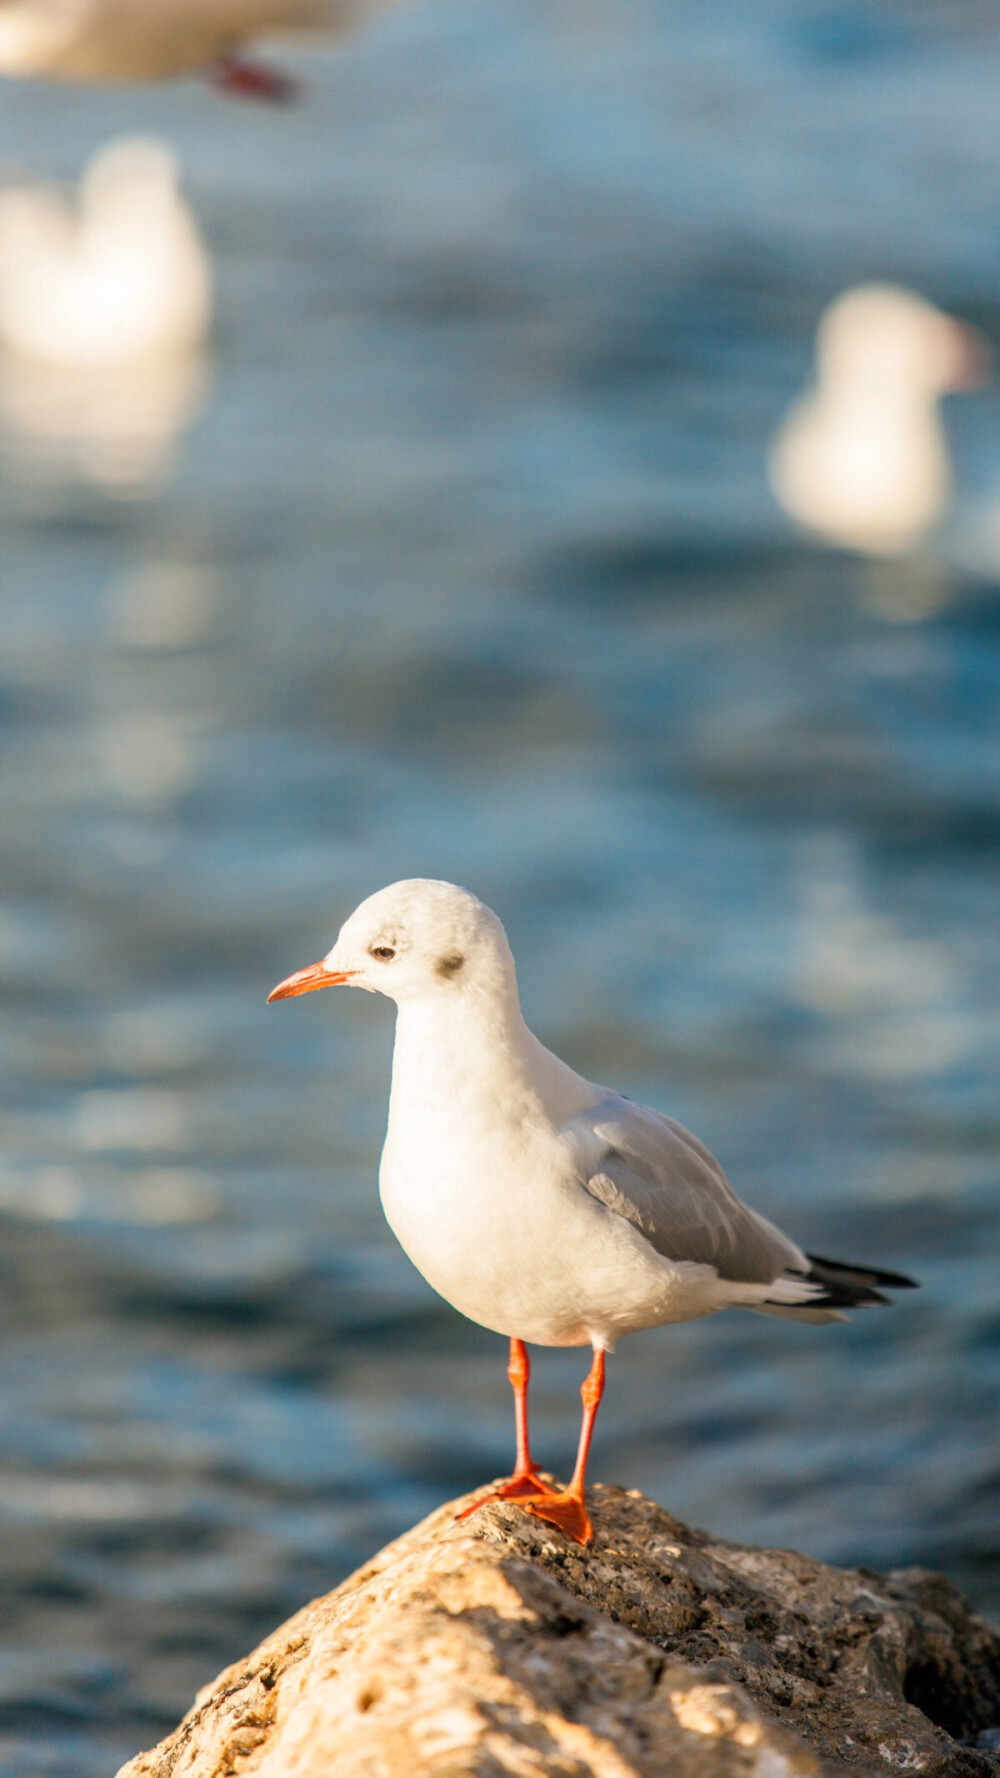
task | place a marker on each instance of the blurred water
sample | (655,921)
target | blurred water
(469,568)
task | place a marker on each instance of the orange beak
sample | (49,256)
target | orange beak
(970,358)
(306,981)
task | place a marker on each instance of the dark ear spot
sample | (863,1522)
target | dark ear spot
(447,967)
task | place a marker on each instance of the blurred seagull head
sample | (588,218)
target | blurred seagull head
(881,337)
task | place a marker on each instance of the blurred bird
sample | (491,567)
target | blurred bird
(125,40)
(104,312)
(862,458)
(124,276)
(538,1204)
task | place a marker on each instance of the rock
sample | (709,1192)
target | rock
(493,1647)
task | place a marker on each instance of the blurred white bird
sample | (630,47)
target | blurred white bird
(123,40)
(540,1205)
(121,277)
(862,459)
(104,311)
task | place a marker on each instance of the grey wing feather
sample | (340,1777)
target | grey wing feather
(660,1178)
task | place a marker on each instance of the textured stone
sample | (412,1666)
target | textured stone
(493,1647)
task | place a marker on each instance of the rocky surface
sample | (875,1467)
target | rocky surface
(493,1647)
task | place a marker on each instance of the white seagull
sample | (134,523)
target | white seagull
(121,276)
(542,1206)
(862,458)
(122,40)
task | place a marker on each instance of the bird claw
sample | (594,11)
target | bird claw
(566,1511)
(527,1486)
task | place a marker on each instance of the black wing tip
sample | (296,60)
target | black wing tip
(866,1276)
(843,1286)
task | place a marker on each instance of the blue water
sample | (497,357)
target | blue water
(469,568)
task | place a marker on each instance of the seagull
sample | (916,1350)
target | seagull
(122,40)
(105,309)
(120,276)
(549,1209)
(862,458)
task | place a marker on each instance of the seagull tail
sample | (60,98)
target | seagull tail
(828,1288)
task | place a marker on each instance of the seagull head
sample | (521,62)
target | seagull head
(415,940)
(883,337)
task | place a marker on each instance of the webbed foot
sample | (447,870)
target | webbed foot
(529,1485)
(567,1511)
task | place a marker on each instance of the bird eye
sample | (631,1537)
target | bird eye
(384,953)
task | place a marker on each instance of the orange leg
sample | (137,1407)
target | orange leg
(567,1509)
(525,1479)
(251,80)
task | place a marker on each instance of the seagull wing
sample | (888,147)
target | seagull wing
(650,1170)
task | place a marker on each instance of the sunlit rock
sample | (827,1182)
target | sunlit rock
(492,1646)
